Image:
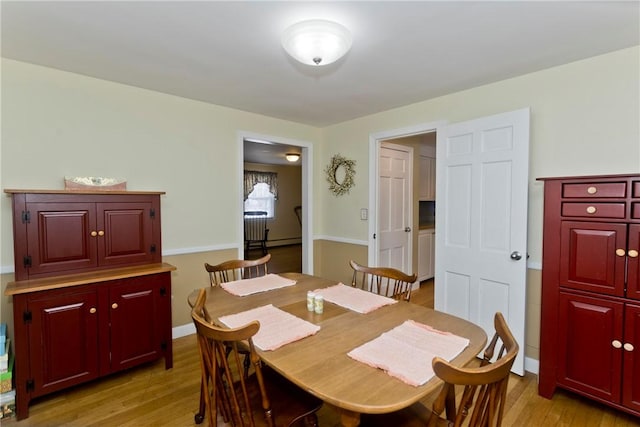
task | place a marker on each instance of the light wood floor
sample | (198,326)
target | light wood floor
(152,396)
(283,258)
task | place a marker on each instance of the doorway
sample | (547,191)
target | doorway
(290,222)
(421,140)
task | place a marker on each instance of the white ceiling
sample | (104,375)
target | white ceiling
(229,53)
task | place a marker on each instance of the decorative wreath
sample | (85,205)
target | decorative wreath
(337,162)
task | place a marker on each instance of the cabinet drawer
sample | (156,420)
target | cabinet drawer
(635,210)
(594,210)
(595,189)
(635,192)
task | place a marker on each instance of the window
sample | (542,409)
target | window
(260,191)
(261,199)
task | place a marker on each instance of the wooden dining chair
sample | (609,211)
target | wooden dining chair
(256,232)
(383,281)
(237,269)
(483,389)
(298,211)
(263,399)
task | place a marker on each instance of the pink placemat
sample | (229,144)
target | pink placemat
(255,285)
(406,351)
(277,327)
(354,299)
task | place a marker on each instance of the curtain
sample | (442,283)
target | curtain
(251,178)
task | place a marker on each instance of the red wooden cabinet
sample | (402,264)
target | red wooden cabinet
(60,232)
(590,323)
(91,295)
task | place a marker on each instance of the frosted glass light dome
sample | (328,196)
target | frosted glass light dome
(316,42)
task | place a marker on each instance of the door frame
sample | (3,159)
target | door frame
(375,140)
(307,193)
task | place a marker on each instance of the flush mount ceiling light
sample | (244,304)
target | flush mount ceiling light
(292,157)
(316,42)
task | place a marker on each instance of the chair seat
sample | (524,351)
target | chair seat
(289,404)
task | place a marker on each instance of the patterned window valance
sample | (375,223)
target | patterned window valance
(251,178)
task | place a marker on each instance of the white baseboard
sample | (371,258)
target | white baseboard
(532,365)
(183,331)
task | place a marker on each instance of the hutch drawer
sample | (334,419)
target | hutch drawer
(595,190)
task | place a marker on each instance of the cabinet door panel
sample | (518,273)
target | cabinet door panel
(588,257)
(423,249)
(59,237)
(633,262)
(63,340)
(136,333)
(128,233)
(427,185)
(587,361)
(631,367)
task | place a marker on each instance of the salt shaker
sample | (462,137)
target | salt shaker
(311,300)
(319,304)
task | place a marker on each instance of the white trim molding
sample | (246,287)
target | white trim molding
(198,249)
(342,240)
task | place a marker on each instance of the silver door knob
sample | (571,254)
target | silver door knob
(516,256)
(407,229)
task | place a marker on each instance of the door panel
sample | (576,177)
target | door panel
(458,224)
(481,220)
(456,295)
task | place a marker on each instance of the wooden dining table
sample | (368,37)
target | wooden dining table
(319,363)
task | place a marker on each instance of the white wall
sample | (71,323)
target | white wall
(585,119)
(56,123)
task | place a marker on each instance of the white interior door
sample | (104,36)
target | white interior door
(481,221)
(394,210)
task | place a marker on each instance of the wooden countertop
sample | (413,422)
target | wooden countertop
(55,282)
(79,191)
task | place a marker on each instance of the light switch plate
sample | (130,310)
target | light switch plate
(364,214)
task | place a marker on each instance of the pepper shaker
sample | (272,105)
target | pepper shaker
(319,304)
